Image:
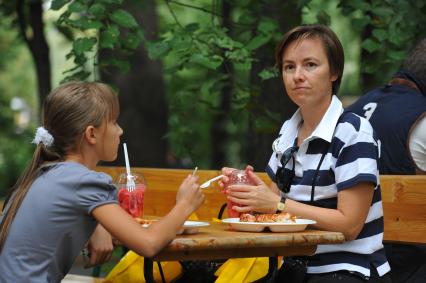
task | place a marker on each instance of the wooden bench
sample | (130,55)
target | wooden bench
(404,199)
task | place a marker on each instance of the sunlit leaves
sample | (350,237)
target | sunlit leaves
(82,45)
(211,62)
(104,25)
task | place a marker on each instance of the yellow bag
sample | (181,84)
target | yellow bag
(130,269)
(242,270)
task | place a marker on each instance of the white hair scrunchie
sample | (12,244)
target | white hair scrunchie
(43,136)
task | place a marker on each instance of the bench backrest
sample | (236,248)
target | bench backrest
(404,199)
(404,208)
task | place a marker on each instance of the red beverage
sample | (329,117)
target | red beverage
(132,202)
(237,177)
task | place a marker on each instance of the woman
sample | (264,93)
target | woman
(324,165)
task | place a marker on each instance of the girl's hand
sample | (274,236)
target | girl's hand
(100,247)
(259,198)
(190,193)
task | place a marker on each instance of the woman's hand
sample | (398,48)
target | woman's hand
(259,198)
(226,172)
(100,247)
(190,192)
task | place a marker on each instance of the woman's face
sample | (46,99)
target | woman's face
(306,72)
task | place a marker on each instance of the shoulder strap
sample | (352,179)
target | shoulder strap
(324,153)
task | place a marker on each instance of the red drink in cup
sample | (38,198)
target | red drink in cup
(131,201)
(237,177)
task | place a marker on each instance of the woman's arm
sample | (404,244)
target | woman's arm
(352,206)
(149,241)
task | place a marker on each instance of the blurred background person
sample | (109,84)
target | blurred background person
(397,113)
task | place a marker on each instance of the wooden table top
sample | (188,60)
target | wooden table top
(219,241)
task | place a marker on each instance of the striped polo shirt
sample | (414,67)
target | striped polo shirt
(351,155)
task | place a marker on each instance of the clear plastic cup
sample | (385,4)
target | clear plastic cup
(237,177)
(131,201)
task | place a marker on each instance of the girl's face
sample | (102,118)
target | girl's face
(111,140)
(306,72)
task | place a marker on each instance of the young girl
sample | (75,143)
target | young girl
(59,200)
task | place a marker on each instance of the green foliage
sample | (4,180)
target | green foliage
(395,26)
(16,81)
(99,24)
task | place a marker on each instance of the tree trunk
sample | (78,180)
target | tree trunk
(273,96)
(144,113)
(219,133)
(36,42)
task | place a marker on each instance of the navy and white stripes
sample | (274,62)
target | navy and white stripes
(351,155)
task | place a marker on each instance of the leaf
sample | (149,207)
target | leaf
(380,34)
(192,27)
(85,24)
(370,68)
(84,44)
(109,37)
(98,10)
(383,11)
(323,18)
(132,40)
(267,26)
(360,5)
(268,73)
(124,19)
(79,76)
(111,1)
(76,7)
(302,3)
(58,4)
(396,55)
(244,66)
(258,41)
(121,64)
(360,23)
(211,62)
(370,45)
(157,50)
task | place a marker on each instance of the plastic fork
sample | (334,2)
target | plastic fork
(207,184)
(130,184)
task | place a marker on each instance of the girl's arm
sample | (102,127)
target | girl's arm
(100,247)
(149,241)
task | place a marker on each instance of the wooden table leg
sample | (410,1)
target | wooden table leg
(148,270)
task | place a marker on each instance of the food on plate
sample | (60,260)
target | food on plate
(283,217)
(247,217)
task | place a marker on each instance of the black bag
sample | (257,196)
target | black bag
(199,271)
(292,270)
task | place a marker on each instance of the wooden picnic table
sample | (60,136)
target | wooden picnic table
(219,241)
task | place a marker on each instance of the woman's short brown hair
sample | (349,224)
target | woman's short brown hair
(332,45)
